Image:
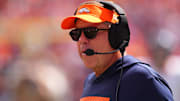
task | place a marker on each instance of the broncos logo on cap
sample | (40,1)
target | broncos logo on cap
(82,10)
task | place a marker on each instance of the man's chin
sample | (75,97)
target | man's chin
(89,65)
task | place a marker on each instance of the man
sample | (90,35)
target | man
(101,31)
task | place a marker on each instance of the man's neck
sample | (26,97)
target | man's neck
(100,70)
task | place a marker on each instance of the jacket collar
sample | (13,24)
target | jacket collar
(127,61)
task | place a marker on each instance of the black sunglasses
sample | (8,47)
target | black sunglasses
(89,32)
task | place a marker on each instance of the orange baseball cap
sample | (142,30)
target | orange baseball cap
(91,13)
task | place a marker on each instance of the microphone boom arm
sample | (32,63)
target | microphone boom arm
(90,52)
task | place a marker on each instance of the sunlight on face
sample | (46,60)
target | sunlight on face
(99,44)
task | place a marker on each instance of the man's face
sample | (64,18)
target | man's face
(99,44)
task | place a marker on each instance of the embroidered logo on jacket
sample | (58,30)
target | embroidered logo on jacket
(95,98)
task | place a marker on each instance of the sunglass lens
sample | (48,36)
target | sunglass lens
(75,34)
(90,33)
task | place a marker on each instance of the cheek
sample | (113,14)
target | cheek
(103,38)
(101,42)
(78,47)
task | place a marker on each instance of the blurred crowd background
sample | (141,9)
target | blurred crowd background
(39,61)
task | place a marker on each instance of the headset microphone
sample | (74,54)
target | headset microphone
(90,52)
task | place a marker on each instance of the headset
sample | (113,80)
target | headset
(119,33)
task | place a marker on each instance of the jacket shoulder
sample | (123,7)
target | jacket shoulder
(144,83)
(139,69)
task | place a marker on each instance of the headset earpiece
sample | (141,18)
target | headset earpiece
(119,32)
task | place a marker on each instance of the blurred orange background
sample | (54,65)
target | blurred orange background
(30,31)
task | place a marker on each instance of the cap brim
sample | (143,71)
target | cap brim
(68,22)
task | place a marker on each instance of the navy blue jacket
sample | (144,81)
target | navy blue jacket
(139,82)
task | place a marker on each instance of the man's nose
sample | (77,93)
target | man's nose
(83,38)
